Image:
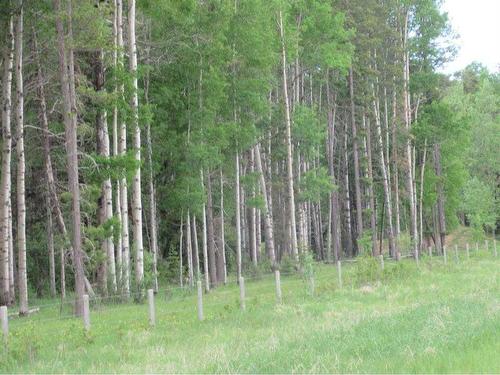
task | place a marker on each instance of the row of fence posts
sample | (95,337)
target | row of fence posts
(4,318)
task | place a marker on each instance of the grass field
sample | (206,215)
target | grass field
(431,319)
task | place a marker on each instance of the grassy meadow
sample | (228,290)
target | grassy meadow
(434,318)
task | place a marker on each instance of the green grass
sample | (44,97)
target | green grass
(433,319)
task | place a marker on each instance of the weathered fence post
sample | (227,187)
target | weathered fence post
(430,251)
(4,318)
(398,256)
(444,255)
(477,248)
(467,250)
(277,278)
(200,300)
(381,257)
(242,293)
(486,245)
(86,313)
(495,248)
(151,303)
(456,253)
(339,272)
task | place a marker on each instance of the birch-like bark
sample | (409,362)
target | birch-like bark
(181,266)
(441,218)
(189,249)
(222,234)
(21,170)
(421,199)
(347,196)
(291,195)
(238,217)
(395,169)
(253,221)
(210,233)
(122,149)
(8,64)
(268,219)
(385,181)
(407,116)
(205,245)
(136,184)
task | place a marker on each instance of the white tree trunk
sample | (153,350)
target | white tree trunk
(291,194)
(21,171)
(136,184)
(205,243)
(5,298)
(238,217)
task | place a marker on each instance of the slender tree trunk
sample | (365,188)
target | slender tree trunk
(291,196)
(395,169)
(440,194)
(66,70)
(8,64)
(253,221)
(387,194)
(238,217)
(136,184)
(122,149)
(355,148)
(118,216)
(268,219)
(349,236)
(196,252)
(189,250)
(21,170)
(371,195)
(407,111)
(421,200)
(222,234)
(205,245)
(181,266)
(212,259)
(50,245)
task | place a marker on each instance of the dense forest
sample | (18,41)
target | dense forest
(169,141)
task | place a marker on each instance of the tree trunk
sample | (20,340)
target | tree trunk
(387,193)
(347,204)
(70,121)
(222,234)
(268,219)
(440,194)
(238,217)
(291,196)
(395,169)
(50,245)
(371,195)
(5,293)
(210,233)
(21,171)
(355,147)
(421,200)
(205,245)
(189,249)
(136,184)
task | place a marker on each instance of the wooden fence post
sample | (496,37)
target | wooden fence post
(277,278)
(200,300)
(4,318)
(495,248)
(242,293)
(339,272)
(456,253)
(486,245)
(86,313)
(444,255)
(430,252)
(151,303)
(381,257)
(467,250)
(477,248)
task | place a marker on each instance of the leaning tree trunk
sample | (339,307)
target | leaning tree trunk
(136,184)
(289,156)
(21,171)
(5,295)
(385,181)
(70,120)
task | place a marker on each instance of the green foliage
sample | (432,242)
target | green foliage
(476,204)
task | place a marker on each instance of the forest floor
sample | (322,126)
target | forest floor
(433,319)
